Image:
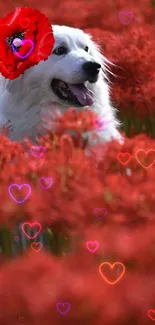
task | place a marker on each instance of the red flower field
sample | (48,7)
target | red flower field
(100,206)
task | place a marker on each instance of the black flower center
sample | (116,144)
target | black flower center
(15,41)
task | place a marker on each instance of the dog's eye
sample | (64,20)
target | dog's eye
(86,48)
(60,50)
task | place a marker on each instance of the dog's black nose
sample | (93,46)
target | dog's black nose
(91,70)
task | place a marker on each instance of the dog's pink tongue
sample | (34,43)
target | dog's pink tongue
(83,94)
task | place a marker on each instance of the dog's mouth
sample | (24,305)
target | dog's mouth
(78,94)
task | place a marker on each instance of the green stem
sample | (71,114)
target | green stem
(6,241)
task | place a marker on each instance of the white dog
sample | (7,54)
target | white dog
(74,75)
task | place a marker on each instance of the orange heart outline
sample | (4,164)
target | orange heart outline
(124,154)
(36,250)
(146,152)
(112,266)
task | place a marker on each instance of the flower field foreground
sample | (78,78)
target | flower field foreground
(33,283)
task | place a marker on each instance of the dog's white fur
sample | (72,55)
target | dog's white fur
(23,99)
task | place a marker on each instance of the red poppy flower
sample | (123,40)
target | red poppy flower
(26,38)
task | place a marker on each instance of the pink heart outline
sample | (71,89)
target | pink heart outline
(50,181)
(62,304)
(40,153)
(92,250)
(125,13)
(19,187)
(31,225)
(26,55)
(100,123)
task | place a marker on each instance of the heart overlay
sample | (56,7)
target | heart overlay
(151,314)
(36,164)
(16,238)
(38,151)
(100,213)
(21,318)
(112,271)
(45,182)
(24,22)
(125,17)
(31,225)
(124,157)
(25,191)
(63,307)
(100,123)
(92,246)
(36,246)
(26,43)
(142,157)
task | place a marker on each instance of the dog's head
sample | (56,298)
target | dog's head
(69,73)
(74,66)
